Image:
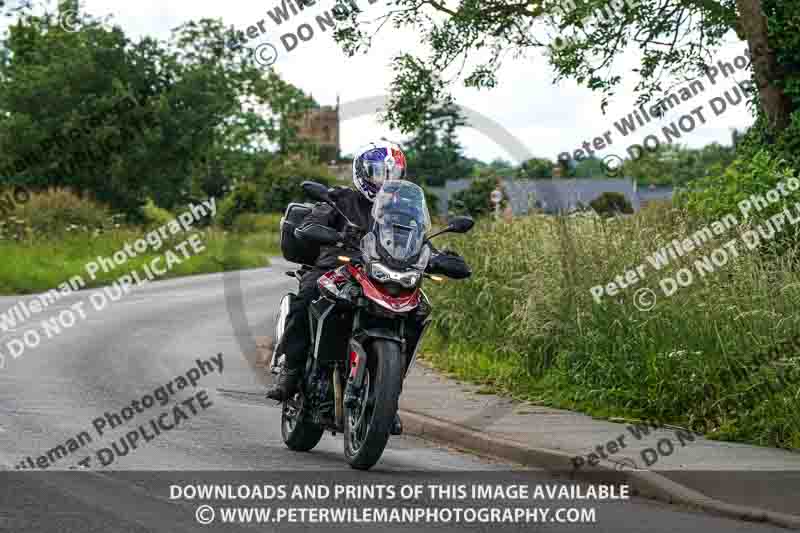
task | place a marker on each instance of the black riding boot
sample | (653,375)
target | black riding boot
(296,339)
(286,385)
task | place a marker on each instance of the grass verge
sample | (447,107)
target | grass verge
(42,264)
(720,356)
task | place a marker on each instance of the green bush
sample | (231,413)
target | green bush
(714,196)
(155,216)
(474,201)
(245,198)
(280,183)
(277,185)
(54,212)
(611,204)
(255,223)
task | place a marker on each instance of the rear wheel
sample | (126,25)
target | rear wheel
(367,426)
(299,434)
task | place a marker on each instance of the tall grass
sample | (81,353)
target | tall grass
(526,323)
(53,212)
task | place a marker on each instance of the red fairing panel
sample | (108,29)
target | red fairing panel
(399,304)
(333,281)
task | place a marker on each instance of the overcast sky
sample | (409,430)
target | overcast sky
(548,119)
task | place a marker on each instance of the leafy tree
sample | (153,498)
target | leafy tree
(677,165)
(265,110)
(212,180)
(535,168)
(475,201)
(275,182)
(127,120)
(590,167)
(244,198)
(480,169)
(611,204)
(72,104)
(500,166)
(280,181)
(434,153)
(714,196)
(672,37)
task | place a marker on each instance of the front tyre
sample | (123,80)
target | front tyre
(299,434)
(368,425)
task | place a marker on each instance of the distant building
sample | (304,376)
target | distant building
(559,195)
(320,125)
(566,195)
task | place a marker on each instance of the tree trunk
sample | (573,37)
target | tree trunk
(775,103)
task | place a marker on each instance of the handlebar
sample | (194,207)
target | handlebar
(318,233)
(350,238)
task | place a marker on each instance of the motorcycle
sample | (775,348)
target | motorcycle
(368,323)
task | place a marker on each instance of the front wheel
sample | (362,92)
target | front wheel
(367,426)
(299,433)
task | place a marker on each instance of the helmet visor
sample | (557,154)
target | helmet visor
(385,170)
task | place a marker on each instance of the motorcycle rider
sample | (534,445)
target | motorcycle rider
(375,163)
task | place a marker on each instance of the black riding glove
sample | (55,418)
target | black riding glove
(448,263)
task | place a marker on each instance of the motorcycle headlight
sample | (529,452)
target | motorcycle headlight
(382,274)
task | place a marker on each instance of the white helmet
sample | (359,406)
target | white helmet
(375,163)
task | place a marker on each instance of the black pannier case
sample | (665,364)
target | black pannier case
(293,249)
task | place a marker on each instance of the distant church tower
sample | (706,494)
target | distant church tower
(321,126)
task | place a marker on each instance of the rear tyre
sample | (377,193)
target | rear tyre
(368,425)
(299,434)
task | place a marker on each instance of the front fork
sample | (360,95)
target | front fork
(355,379)
(357,357)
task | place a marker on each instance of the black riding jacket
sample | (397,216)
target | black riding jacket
(354,206)
(359,210)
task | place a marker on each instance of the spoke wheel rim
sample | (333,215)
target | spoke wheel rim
(358,419)
(291,412)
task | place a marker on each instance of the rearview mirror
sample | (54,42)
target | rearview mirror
(316,191)
(456,225)
(460,224)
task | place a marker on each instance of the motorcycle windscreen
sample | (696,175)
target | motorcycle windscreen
(401,219)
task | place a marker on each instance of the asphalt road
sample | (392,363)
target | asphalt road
(53,393)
